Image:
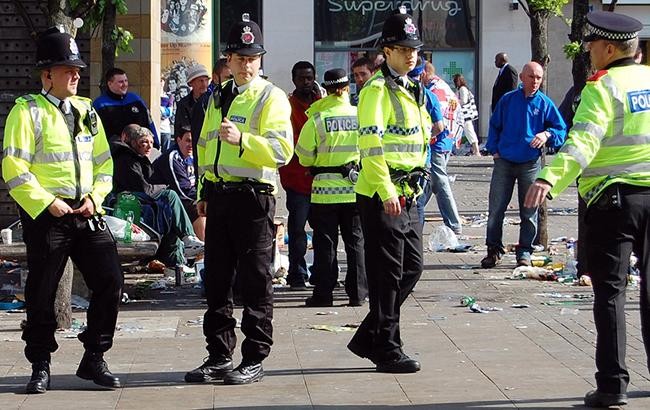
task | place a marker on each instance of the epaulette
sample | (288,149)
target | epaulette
(597,75)
(25,98)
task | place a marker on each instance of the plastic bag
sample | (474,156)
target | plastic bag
(117,226)
(442,238)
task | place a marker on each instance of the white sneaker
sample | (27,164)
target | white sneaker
(193,246)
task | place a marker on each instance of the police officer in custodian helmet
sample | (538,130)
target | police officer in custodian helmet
(58,168)
(246,136)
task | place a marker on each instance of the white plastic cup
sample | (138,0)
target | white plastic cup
(6,236)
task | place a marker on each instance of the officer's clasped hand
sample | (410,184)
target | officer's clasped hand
(229,132)
(87,208)
(58,208)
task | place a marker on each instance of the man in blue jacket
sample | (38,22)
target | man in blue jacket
(523,122)
(117,107)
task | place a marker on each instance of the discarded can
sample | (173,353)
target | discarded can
(178,271)
(467,301)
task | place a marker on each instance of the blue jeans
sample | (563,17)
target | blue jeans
(298,207)
(504,175)
(440,187)
(165,142)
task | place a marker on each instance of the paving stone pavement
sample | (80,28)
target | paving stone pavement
(536,357)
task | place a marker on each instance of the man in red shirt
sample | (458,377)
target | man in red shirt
(296,179)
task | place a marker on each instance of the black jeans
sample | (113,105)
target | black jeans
(50,241)
(393,252)
(614,232)
(326,219)
(239,234)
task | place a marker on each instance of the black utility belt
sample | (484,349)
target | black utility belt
(222,188)
(610,197)
(344,170)
(399,176)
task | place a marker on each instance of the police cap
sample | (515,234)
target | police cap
(245,38)
(399,30)
(54,47)
(611,26)
(336,77)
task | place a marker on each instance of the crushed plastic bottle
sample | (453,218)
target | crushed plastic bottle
(442,238)
(570,265)
(467,301)
(533,272)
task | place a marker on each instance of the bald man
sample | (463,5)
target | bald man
(523,122)
(506,80)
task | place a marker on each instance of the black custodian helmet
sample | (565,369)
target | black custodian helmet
(245,38)
(399,30)
(54,47)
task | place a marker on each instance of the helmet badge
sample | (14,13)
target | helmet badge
(247,36)
(73,47)
(409,27)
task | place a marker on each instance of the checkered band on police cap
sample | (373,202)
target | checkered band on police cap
(335,76)
(611,26)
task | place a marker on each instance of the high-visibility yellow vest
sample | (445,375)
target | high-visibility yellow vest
(330,138)
(610,138)
(262,114)
(393,132)
(41,161)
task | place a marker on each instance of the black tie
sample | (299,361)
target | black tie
(69,117)
(228,101)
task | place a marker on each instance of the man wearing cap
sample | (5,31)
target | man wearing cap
(609,147)
(58,167)
(394,128)
(117,107)
(329,145)
(199,79)
(245,137)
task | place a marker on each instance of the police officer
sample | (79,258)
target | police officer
(246,136)
(329,144)
(58,168)
(609,147)
(394,128)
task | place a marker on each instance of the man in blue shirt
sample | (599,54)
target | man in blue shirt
(523,122)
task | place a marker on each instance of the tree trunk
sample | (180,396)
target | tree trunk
(108,43)
(539,53)
(59,16)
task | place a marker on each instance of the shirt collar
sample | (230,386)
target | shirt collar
(395,75)
(503,68)
(242,88)
(66,102)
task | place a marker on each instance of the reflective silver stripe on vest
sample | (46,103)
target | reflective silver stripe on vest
(273,138)
(101,158)
(17,153)
(338,148)
(210,136)
(204,168)
(104,178)
(590,128)
(615,170)
(20,180)
(397,107)
(317,190)
(201,142)
(254,127)
(619,105)
(626,140)
(329,176)
(246,172)
(403,147)
(56,157)
(574,152)
(303,152)
(35,113)
(63,192)
(320,130)
(371,152)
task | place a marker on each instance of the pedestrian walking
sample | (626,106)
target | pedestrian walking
(245,137)
(58,167)
(394,128)
(608,147)
(329,146)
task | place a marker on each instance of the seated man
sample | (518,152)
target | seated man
(176,169)
(133,172)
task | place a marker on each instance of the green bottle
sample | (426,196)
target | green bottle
(128,229)
(467,301)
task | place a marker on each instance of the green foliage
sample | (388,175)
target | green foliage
(95,17)
(551,6)
(572,50)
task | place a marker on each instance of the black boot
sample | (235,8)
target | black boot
(245,373)
(40,381)
(93,367)
(213,369)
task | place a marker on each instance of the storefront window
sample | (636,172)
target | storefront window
(348,29)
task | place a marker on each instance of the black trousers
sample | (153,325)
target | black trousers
(325,219)
(393,252)
(614,232)
(239,234)
(50,241)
